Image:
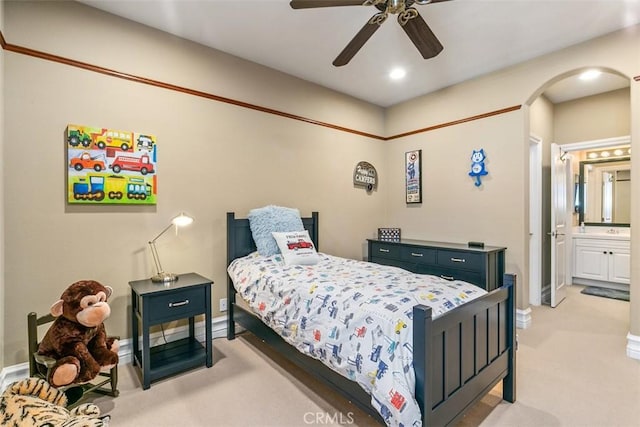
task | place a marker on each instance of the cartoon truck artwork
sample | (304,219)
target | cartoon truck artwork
(140,164)
(77,137)
(400,325)
(113,138)
(300,244)
(145,143)
(85,160)
(357,362)
(397,400)
(382,369)
(335,351)
(375,353)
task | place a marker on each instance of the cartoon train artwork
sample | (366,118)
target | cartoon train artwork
(96,187)
(108,166)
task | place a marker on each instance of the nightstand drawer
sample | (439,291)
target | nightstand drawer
(382,250)
(176,305)
(419,255)
(463,260)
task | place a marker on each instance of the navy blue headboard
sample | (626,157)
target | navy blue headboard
(239,239)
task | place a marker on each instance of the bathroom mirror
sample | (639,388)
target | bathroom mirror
(604,192)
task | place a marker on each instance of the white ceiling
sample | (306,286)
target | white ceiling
(479,36)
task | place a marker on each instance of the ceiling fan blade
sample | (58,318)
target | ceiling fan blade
(305,4)
(420,33)
(360,39)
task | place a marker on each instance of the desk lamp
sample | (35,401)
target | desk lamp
(161,276)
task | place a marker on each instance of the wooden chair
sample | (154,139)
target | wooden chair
(39,366)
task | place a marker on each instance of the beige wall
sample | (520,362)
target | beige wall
(213,158)
(517,85)
(592,117)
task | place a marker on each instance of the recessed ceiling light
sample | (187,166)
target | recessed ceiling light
(618,152)
(590,74)
(592,155)
(605,154)
(397,74)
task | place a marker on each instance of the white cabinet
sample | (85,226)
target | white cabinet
(603,260)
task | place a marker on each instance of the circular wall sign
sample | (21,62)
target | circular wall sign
(365,175)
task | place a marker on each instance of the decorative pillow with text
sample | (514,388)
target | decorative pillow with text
(296,247)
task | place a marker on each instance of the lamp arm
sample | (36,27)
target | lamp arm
(156,258)
(161,233)
(154,251)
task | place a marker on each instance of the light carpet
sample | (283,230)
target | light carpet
(572,370)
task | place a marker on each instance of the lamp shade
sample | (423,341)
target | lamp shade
(182,220)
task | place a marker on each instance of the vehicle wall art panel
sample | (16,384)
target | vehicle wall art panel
(109,166)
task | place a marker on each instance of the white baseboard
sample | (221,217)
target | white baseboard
(523,318)
(125,353)
(633,346)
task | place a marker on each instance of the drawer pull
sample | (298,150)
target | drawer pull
(446,277)
(458,260)
(383,250)
(178,304)
(415,254)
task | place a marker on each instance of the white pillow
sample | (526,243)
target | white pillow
(296,247)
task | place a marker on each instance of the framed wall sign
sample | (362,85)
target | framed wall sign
(413,176)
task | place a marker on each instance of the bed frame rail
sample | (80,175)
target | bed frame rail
(465,353)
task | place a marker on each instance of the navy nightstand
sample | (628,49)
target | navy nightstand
(155,303)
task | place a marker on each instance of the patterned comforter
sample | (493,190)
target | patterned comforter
(354,316)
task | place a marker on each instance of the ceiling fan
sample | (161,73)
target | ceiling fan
(410,20)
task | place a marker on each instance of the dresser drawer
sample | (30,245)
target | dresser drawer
(383,250)
(473,277)
(463,260)
(418,255)
(176,305)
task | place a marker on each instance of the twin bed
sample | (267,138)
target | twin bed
(450,361)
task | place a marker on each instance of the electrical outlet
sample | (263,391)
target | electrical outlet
(223,304)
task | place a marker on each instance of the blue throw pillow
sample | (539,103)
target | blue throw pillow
(269,219)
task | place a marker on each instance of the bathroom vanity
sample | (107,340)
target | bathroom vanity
(602,258)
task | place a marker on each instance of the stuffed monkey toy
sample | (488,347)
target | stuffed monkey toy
(77,338)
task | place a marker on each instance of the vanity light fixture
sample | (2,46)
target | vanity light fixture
(609,153)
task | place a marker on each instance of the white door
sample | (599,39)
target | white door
(559,176)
